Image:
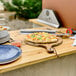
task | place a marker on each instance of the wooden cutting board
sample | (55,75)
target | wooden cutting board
(48,46)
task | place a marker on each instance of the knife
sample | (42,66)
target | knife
(24,31)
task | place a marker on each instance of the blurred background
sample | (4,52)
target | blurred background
(18,12)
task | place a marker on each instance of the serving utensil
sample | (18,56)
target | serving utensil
(47,46)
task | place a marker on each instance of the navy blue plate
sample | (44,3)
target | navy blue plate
(9,53)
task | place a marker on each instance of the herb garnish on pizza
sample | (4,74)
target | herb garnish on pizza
(41,37)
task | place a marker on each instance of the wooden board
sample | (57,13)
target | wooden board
(47,26)
(48,46)
(68,48)
(32,55)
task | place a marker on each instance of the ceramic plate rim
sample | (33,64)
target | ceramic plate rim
(12,58)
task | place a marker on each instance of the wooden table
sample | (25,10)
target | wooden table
(66,42)
(32,55)
(39,24)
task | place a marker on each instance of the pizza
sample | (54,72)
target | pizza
(2,28)
(41,37)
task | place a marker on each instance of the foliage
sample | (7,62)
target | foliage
(25,8)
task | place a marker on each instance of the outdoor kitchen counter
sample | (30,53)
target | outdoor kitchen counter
(32,55)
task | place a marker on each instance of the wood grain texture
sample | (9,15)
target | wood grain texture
(63,66)
(48,46)
(66,48)
(47,26)
(32,55)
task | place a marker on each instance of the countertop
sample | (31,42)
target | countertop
(32,55)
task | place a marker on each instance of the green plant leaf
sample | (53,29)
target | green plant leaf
(25,8)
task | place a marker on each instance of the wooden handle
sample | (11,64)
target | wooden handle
(57,43)
(50,48)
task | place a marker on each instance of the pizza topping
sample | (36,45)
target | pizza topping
(41,37)
(2,28)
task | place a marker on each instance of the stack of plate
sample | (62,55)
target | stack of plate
(9,53)
(4,36)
